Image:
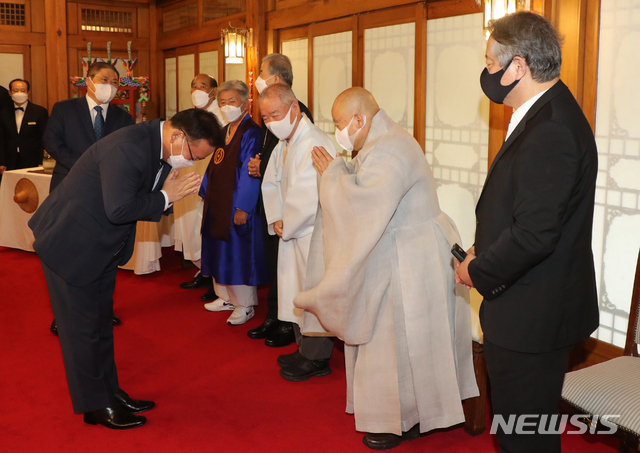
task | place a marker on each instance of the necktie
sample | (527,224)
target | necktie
(19,108)
(98,124)
(158,174)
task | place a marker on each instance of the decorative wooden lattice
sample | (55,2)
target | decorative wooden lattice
(181,17)
(106,21)
(12,14)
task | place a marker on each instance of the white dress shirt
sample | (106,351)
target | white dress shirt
(520,112)
(19,115)
(94,112)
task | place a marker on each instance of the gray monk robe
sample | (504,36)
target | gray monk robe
(388,287)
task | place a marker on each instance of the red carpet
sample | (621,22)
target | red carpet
(216,390)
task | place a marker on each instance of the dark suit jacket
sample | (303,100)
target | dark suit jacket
(29,140)
(5,100)
(92,215)
(534,262)
(70,133)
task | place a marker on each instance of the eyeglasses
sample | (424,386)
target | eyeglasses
(106,81)
(188,145)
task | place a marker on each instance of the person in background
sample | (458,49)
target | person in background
(187,213)
(290,194)
(532,261)
(21,130)
(5,99)
(76,124)
(232,250)
(387,284)
(275,68)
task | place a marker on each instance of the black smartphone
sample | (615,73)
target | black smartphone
(458,252)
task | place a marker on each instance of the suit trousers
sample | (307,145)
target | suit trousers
(84,316)
(313,348)
(271,244)
(526,384)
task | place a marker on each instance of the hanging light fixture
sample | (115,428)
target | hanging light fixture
(495,9)
(234,41)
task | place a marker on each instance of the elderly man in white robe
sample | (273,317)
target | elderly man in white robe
(290,196)
(387,285)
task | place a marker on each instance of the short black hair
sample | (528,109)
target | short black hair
(99,66)
(20,80)
(199,124)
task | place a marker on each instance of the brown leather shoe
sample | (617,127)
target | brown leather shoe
(386,441)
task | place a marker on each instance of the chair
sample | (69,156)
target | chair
(475,408)
(612,387)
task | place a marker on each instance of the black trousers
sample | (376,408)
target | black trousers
(313,348)
(526,384)
(84,317)
(271,243)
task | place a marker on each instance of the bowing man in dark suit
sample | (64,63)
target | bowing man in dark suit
(22,126)
(86,228)
(75,124)
(532,260)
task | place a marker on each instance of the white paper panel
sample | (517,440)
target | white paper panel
(457,129)
(170,87)
(236,72)
(209,64)
(389,62)
(332,61)
(616,228)
(186,73)
(11,68)
(298,53)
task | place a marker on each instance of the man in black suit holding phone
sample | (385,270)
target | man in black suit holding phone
(78,123)
(86,228)
(21,129)
(532,260)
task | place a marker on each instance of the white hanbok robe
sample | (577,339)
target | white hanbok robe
(290,194)
(386,287)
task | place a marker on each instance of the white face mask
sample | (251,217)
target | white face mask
(261,83)
(282,128)
(200,99)
(179,161)
(103,92)
(19,98)
(344,139)
(230,112)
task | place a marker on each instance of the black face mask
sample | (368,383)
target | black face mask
(492,87)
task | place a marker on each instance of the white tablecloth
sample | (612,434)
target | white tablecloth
(15,233)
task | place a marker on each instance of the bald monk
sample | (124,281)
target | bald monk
(386,288)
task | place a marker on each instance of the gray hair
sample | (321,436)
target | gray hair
(530,36)
(279,91)
(280,65)
(236,85)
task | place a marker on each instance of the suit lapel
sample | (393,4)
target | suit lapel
(85,117)
(553,92)
(535,108)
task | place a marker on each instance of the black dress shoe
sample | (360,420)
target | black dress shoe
(116,321)
(289,359)
(385,441)
(303,369)
(114,418)
(209,296)
(54,327)
(198,282)
(282,336)
(131,405)
(264,329)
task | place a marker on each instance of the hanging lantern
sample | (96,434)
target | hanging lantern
(234,41)
(495,9)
